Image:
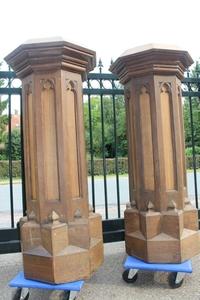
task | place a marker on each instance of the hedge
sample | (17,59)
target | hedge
(189,162)
(123,165)
(110,166)
(98,166)
(4,169)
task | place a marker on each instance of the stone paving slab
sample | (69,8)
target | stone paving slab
(107,282)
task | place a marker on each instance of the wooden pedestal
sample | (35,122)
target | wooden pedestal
(160,223)
(61,238)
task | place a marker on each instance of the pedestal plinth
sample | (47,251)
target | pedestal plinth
(160,223)
(61,238)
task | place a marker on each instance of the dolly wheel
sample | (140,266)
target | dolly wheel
(21,294)
(60,295)
(17,294)
(175,279)
(130,275)
(66,295)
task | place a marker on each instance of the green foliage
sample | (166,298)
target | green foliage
(96,118)
(98,166)
(4,169)
(196,121)
(189,152)
(195,103)
(189,162)
(110,166)
(15,145)
(3,120)
(196,70)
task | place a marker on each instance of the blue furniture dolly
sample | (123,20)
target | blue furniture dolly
(22,284)
(175,279)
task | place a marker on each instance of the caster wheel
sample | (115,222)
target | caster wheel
(130,277)
(175,280)
(60,295)
(21,294)
(66,295)
(17,294)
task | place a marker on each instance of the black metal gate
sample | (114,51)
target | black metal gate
(106,145)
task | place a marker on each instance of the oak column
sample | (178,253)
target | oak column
(161,225)
(61,236)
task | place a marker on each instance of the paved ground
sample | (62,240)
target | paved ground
(106,283)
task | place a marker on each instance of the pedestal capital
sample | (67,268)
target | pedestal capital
(151,59)
(50,54)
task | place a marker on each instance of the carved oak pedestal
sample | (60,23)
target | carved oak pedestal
(61,238)
(160,223)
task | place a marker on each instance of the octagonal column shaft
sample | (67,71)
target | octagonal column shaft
(61,238)
(160,222)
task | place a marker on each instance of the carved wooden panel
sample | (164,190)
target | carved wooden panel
(69,107)
(50,144)
(31,141)
(168,136)
(131,138)
(146,136)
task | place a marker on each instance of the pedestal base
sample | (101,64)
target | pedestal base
(71,264)
(163,248)
(59,252)
(160,237)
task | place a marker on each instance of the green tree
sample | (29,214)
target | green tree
(109,139)
(195,103)
(3,117)
(196,122)
(15,145)
(3,120)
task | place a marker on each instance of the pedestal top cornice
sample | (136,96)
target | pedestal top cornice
(151,59)
(50,54)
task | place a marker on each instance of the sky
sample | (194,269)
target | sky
(109,27)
